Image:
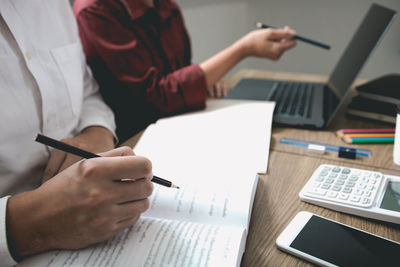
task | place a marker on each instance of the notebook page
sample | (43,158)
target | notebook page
(227,202)
(213,155)
(155,242)
(226,133)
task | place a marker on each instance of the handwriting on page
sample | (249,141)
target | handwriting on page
(198,205)
(155,242)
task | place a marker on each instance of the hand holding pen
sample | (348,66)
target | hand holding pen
(298,37)
(84,204)
(87,155)
(271,44)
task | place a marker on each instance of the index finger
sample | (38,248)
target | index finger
(119,167)
(277,34)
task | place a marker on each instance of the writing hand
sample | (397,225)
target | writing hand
(82,205)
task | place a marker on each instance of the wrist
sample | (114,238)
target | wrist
(242,45)
(26,233)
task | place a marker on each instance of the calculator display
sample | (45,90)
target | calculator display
(345,246)
(391,199)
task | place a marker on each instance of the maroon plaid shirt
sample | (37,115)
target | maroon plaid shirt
(141,57)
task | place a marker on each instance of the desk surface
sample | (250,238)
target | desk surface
(276,203)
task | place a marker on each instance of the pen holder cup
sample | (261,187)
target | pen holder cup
(396,149)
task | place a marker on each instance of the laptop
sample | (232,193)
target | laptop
(313,105)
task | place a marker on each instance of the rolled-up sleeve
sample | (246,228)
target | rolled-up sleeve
(183,88)
(94,111)
(5,257)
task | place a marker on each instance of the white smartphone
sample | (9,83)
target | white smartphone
(329,243)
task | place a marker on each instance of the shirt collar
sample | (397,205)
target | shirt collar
(137,8)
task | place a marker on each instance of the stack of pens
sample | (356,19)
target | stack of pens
(366,136)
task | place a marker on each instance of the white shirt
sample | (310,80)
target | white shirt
(45,86)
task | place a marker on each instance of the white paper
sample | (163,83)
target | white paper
(155,242)
(228,135)
(214,156)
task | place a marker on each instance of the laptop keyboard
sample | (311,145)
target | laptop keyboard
(293,98)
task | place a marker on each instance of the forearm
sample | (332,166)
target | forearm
(24,235)
(101,136)
(217,66)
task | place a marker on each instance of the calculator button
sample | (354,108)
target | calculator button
(350,184)
(319,179)
(342,177)
(333,175)
(377,175)
(325,186)
(367,174)
(368,193)
(355,198)
(370,187)
(329,180)
(372,181)
(324,173)
(332,194)
(359,192)
(336,169)
(339,182)
(315,184)
(353,178)
(336,188)
(317,191)
(364,180)
(362,186)
(343,196)
(347,190)
(346,171)
(366,200)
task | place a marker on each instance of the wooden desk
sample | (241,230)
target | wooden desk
(289,168)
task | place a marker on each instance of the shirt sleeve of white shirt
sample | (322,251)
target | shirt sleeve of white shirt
(94,111)
(6,258)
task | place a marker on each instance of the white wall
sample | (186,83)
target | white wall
(214,24)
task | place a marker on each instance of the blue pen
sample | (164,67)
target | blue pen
(328,147)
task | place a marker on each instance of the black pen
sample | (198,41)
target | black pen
(87,155)
(298,37)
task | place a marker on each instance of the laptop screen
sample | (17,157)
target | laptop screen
(367,36)
(360,47)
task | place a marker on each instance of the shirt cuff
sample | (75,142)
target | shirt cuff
(98,117)
(193,85)
(5,257)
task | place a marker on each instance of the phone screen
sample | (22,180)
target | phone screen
(345,246)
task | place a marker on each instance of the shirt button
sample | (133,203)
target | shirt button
(28,55)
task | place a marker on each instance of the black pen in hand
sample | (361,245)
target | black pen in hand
(87,155)
(298,37)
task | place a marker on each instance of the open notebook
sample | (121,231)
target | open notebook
(214,156)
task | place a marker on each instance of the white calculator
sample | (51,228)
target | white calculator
(355,191)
